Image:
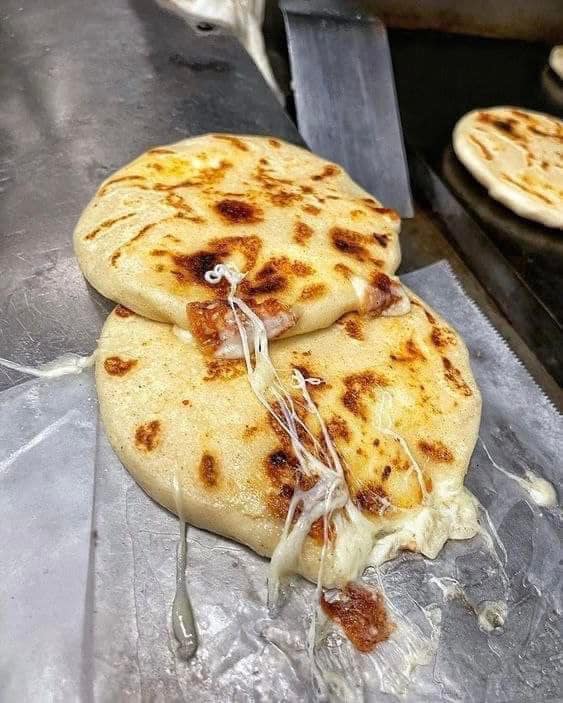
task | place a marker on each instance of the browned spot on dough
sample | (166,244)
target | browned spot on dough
(302,233)
(317,290)
(361,613)
(274,276)
(159,252)
(442,337)
(116,366)
(525,188)
(106,224)
(176,201)
(485,153)
(409,352)
(429,316)
(239,212)
(327,172)
(307,189)
(147,436)
(283,198)
(338,428)
(187,402)
(195,266)
(250,431)
(343,270)
(224,369)
(351,243)
(454,378)
(372,498)
(354,327)
(235,141)
(359,385)
(436,451)
(282,467)
(160,150)
(122,311)
(114,257)
(208,470)
(386,472)
(311,209)
(275,143)
(381,239)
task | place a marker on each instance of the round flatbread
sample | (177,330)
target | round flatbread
(397,396)
(517,155)
(308,238)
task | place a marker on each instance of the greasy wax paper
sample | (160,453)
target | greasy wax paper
(118,593)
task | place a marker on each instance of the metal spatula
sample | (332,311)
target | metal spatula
(345,95)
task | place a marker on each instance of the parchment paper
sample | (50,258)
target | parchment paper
(113,616)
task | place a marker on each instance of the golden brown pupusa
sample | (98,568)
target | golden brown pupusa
(296,225)
(402,391)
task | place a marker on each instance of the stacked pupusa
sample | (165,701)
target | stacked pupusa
(393,399)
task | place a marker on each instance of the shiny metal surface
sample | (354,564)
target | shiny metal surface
(86,87)
(345,96)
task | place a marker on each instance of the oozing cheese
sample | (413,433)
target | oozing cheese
(63,366)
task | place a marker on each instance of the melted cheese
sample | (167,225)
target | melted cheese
(65,365)
(540,491)
(183,335)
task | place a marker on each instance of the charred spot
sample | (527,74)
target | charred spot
(250,431)
(282,467)
(106,224)
(209,470)
(454,378)
(358,386)
(283,198)
(302,233)
(354,327)
(338,428)
(435,450)
(372,498)
(386,472)
(408,353)
(442,337)
(263,161)
(273,276)
(275,143)
(318,529)
(506,126)
(362,615)
(381,281)
(176,201)
(195,266)
(187,402)
(224,369)
(239,212)
(147,436)
(235,141)
(376,442)
(249,247)
(114,257)
(381,239)
(343,270)
(307,190)
(313,292)
(327,172)
(311,209)
(122,311)
(116,366)
(350,243)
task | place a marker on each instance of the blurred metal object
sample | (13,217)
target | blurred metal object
(540,20)
(243,18)
(345,95)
